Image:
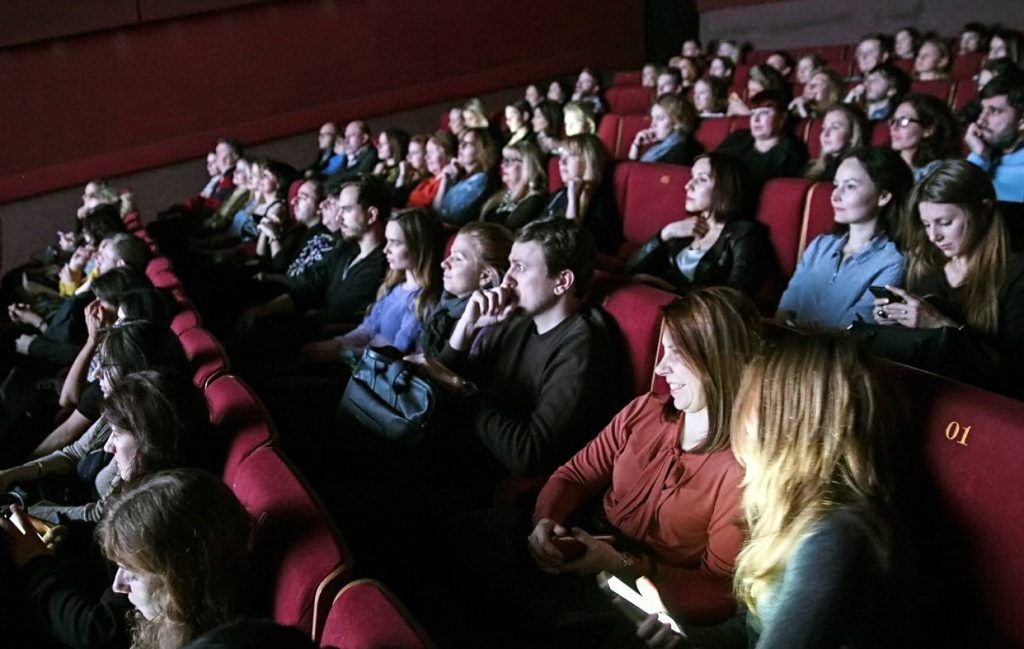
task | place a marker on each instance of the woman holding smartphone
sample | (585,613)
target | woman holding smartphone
(820,565)
(670,484)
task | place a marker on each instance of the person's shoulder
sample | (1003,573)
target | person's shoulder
(842,532)
(746,228)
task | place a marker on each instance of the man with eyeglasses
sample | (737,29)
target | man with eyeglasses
(996,139)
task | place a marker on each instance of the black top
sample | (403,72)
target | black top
(743,257)
(543,396)
(602,217)
(516,215)
(787,158)
(1006,343)
(439,325)
(362,163)
(833,593)
(681,153)
(65,332)
(342,288)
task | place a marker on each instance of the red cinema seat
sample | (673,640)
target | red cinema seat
(636,309)
(631,125)
(132,221)
(907,65)
(158,265)
(299,557)
(554,176)
(366,615)
(966,92)
(965,66)
(782,210)
(880,134)
(627,79)
(650,195)
(756,57)
(184,320)
(712,131)
(165,280)
(970,532)
(738,123)
(833,54)
(205,355)
(819,217)
(608,132)
(239,414)
(811,135)
(629,100)
(941,89)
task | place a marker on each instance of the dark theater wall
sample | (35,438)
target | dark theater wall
(138,97)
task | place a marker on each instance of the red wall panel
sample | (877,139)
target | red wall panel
(120,101)
(25,21)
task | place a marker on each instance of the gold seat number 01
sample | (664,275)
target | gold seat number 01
(957,433)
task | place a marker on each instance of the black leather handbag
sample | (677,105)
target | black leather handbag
(385,397)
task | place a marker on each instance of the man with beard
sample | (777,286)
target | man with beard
(996,139)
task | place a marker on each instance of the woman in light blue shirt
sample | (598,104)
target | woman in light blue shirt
(830,285)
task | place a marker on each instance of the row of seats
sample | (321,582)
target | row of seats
(636,100)
(298,553)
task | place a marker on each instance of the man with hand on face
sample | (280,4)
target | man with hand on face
(359,156)
(996,140)
(548,367)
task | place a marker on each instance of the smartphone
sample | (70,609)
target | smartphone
(618,588)
(883,293)
(572,548)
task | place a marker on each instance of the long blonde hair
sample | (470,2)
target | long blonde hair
(812,427)
(963,184)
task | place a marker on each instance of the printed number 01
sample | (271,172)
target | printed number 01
(953,433)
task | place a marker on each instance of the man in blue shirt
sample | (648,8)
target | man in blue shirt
(996,140)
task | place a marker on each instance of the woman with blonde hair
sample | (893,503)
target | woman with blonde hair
(524,190)
(670,136)
(962,276)
(587,194)
(179,538)
(821,92)
(577,118)
(843,128)
(813,427)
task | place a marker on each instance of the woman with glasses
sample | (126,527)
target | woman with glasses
(524,187)
(923,131)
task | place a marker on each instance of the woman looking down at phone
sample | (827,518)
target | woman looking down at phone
(670,484)
(961,274)
(670,136)
(813,427)
(830,285)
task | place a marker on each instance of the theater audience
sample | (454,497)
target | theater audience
(345,281)
(670,81)
(392,147)
(291,250)
(689,71)
(683,533)
(1006,44)
(407,295)
(327,161)
(962,277)
(820,477)
(474,114)
(933,60)
(821,92)
(807,65)
(973,38)
(709,97)
(532,95)
(761,77)
(547,125)
(586,195)
(719,244)
(588,91)
(467,180)
(359,156)
(872,50)
(782,63)
(181,583)
(880,91)
(996,139)
(558,92)
(906,43)
(478,260)
(224,215)
(269,200)
(412,170)
(843,128)
(670,138)
(517,121)
(524,187)
(990,70)
(691,47)
(830,285)
(923,131)
(456,126)
(730,50)
(723,68)
(766,148)
(439,150)
(578,118)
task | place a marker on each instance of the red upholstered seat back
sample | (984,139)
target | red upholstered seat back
(940,89)
(970,530)
(629,100)
(966,92)
(811,136)
(880,134)
(184,320)
(627,79)
(158,265)
(608,132)
(740,75)
(650,195)
(366,615)
(631,125)
(636,309)
(554,177)
(712,131)
(239,414)
(165,279)
(966,66)
(819,215)
(782,210)
(205,355)
(299,557)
